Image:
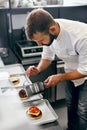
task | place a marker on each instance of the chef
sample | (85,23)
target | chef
(66,39)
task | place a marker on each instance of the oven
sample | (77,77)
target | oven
(28,49)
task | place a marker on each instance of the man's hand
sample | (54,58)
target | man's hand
(52,80)
(55,79)
(32,70)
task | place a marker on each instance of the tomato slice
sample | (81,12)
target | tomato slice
(34,109)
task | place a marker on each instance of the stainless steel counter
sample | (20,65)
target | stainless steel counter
(13,116)
(13,113)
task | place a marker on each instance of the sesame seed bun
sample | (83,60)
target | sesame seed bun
(22,94)
(15,80)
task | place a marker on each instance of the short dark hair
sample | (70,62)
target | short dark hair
(38,20)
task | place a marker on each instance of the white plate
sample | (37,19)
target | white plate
(17,70)
(48,114)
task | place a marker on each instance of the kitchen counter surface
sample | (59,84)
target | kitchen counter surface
(13,116)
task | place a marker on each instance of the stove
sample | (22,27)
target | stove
(28,48)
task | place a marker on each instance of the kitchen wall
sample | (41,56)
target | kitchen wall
(70,12)
(12,31)
(75,2)
(3,29)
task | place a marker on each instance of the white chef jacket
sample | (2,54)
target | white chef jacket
(70,46)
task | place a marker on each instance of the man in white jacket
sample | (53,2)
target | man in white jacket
(66,39)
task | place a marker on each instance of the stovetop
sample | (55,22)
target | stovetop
(26,43)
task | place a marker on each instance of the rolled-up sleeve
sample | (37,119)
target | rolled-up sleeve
(48,53)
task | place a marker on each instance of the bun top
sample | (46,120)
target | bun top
(22,93)
(13,78)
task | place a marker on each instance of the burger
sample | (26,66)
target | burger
(22,94)
(34,112)
(15,80)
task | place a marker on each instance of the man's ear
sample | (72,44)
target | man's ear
(52,29)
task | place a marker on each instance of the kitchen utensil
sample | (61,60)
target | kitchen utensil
(35,88)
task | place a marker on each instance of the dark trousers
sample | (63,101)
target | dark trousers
(76,99)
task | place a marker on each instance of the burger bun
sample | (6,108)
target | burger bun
(34,112)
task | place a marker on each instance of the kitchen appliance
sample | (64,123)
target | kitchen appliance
(28,48)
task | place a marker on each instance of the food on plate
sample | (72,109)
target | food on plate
(34,112)
(23,94)
(15,80)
